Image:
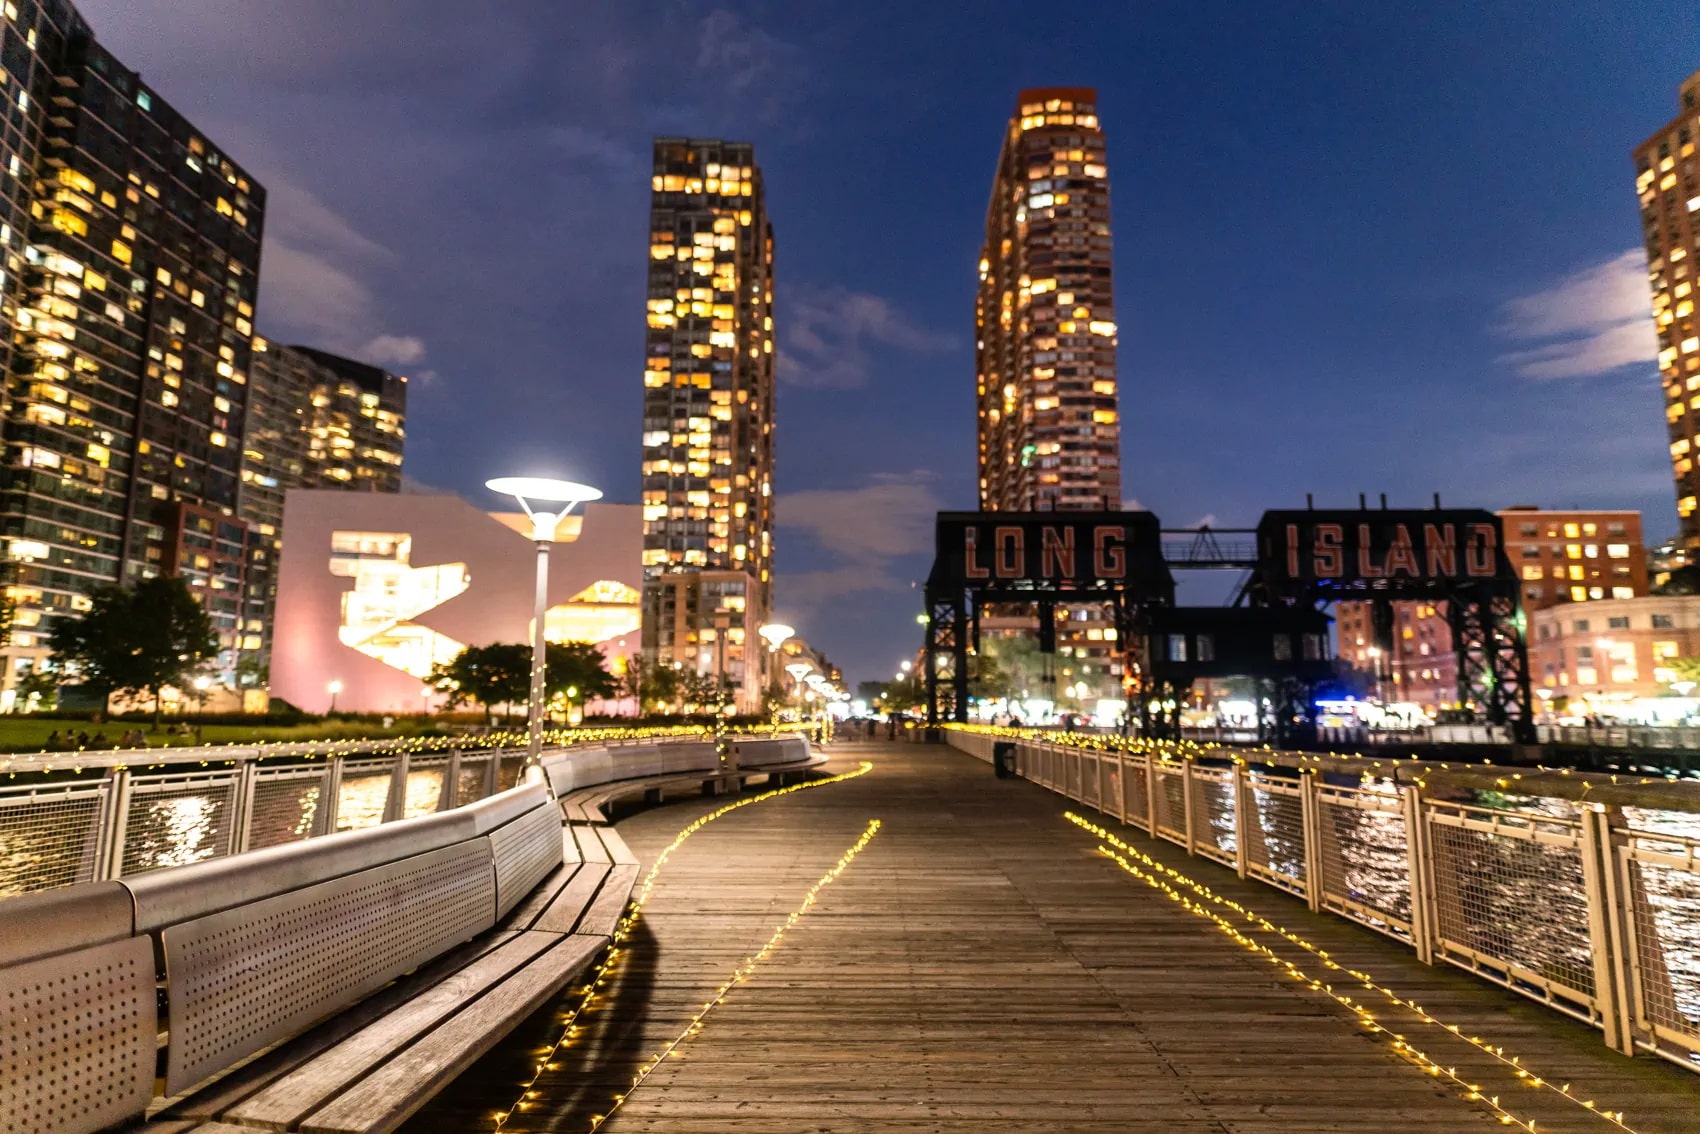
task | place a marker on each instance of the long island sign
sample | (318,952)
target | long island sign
(1374,549)
(1044,551)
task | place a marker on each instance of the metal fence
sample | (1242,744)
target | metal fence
(116,822)
(1576,899)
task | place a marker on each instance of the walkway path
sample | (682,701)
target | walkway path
(979,966)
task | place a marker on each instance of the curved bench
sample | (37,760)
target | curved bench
(649,770)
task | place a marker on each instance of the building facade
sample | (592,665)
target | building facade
(1562,557)
(1612,651)
(376,588)
(128,380)
(708,413)
(1044,315)
(1668,185)
(315,420)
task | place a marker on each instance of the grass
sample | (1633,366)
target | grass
(29,734)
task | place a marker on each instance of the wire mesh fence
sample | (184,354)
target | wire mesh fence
(177,818)
(1659,865)
(1086,787)
(1213,814)
(1510,900)
(1138,794)
(1170,798)
(285,806)
(1274,831)
(49,836)
(1364,856)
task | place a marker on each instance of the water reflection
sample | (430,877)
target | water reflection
(176,830)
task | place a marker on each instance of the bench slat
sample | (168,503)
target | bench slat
(604,913)
(564,912)
(538,900)
(618,851)
(590,846)
(384,1099)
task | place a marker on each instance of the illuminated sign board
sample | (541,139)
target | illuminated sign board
(1049,550)
(1376,549)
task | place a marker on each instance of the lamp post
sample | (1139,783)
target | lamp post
(333,689)
(797,669)
(775,635)
(565,494)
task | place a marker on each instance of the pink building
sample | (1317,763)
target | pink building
(375,588)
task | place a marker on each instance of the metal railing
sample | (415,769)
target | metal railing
(1581,892)
(91,816)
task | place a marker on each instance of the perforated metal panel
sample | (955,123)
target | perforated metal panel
(525,851)
(247,977)
(77,1039)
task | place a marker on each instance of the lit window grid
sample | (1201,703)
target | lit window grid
(1032,452)
(1669,194)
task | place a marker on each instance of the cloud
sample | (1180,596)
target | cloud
(394,350)
(831,335)
(1208,520)
(1133,505)
(313,279)
(1597,318)
(738,55)
(865,529)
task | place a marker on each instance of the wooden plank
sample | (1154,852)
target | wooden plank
(564,912)
(618,852)
(590,847)
(307,1088)
(385,1098)
(616,893)
(523,915)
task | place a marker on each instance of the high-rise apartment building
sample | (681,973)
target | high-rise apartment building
(315,420)
(1045,324)
(1668,183)
(135,291)
(708,413)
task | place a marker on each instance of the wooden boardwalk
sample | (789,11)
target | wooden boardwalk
(980,967)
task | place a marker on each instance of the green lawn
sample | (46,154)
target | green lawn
(29,734)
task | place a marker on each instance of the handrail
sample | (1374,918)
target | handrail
(299,932)
(1570,888)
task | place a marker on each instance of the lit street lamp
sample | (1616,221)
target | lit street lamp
(333,689)
(566,494)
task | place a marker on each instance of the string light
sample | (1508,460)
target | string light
(1514,1063)
(628,923)
(743,971)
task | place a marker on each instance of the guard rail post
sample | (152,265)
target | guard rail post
(1151,786)
(1420,866)
(395,802)
(1608,927)
(1186,802)
(1242,824)
(492,774)
(448,794)
(1311,812)
(330,798)
(109,851)
(247,771)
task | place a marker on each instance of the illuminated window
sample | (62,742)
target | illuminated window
(389,592)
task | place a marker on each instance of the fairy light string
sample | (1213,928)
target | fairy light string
(742,972)
(1155,874)
(603,970)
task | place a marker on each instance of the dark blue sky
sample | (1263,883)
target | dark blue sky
(1359,247)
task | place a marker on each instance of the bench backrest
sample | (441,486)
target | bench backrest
(255,948)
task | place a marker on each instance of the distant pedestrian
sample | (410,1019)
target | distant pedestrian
(83,739)
(53,741)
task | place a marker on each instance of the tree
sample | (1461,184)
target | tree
(497,674)
(136,639)
(577,665)
(500,674)
(1686,669)
(41,683)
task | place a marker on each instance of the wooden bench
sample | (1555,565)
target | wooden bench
(372,1067)
(773,757)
